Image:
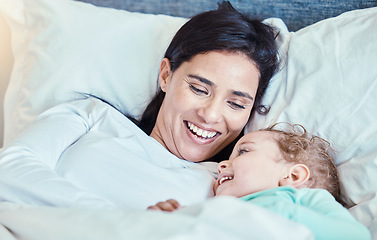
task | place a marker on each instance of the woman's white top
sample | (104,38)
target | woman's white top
(87,154)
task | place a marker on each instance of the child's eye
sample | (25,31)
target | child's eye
(242,151)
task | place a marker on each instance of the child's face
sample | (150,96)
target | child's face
(255,164)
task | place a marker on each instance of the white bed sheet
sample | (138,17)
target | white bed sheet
(217,218)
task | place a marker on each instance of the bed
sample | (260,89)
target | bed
(327,82)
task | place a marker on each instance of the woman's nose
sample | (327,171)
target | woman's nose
(211,112)
(222,165)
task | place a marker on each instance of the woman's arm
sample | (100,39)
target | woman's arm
(27,165)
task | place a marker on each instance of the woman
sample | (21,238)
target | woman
(228,33)
(87,154)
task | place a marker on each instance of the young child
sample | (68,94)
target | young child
(290,173)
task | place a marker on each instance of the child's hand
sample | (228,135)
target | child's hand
(168,206)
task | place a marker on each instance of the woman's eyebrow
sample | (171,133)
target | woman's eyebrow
(242,94)
(202,79)
(208,82)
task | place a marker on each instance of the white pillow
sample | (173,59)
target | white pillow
(329,85)
(62,47)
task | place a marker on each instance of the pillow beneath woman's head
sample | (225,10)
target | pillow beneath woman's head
(328,84)
(63,47)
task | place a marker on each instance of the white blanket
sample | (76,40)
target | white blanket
(217,218)
(87,154)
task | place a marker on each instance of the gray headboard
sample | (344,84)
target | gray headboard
(295,13)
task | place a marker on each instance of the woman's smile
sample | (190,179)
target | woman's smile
(200,135)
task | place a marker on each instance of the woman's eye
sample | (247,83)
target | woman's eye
(236,106)
(198,90)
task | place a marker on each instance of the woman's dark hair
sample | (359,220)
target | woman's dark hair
(224,29)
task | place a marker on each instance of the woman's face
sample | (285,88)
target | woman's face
(207,103)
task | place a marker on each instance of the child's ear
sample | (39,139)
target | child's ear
(165,73)
(296,176)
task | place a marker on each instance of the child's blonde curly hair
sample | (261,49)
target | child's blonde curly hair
(298,146)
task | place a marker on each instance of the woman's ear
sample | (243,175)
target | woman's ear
(165,73)
(296,176)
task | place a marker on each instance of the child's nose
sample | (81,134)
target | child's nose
(222,165)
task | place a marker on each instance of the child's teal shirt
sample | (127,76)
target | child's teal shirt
(314,208)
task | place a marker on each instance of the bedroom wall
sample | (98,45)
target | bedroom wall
(6,62)
(296,14)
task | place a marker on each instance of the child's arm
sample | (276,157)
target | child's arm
(168,206)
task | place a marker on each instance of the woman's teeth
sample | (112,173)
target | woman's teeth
(200,132)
